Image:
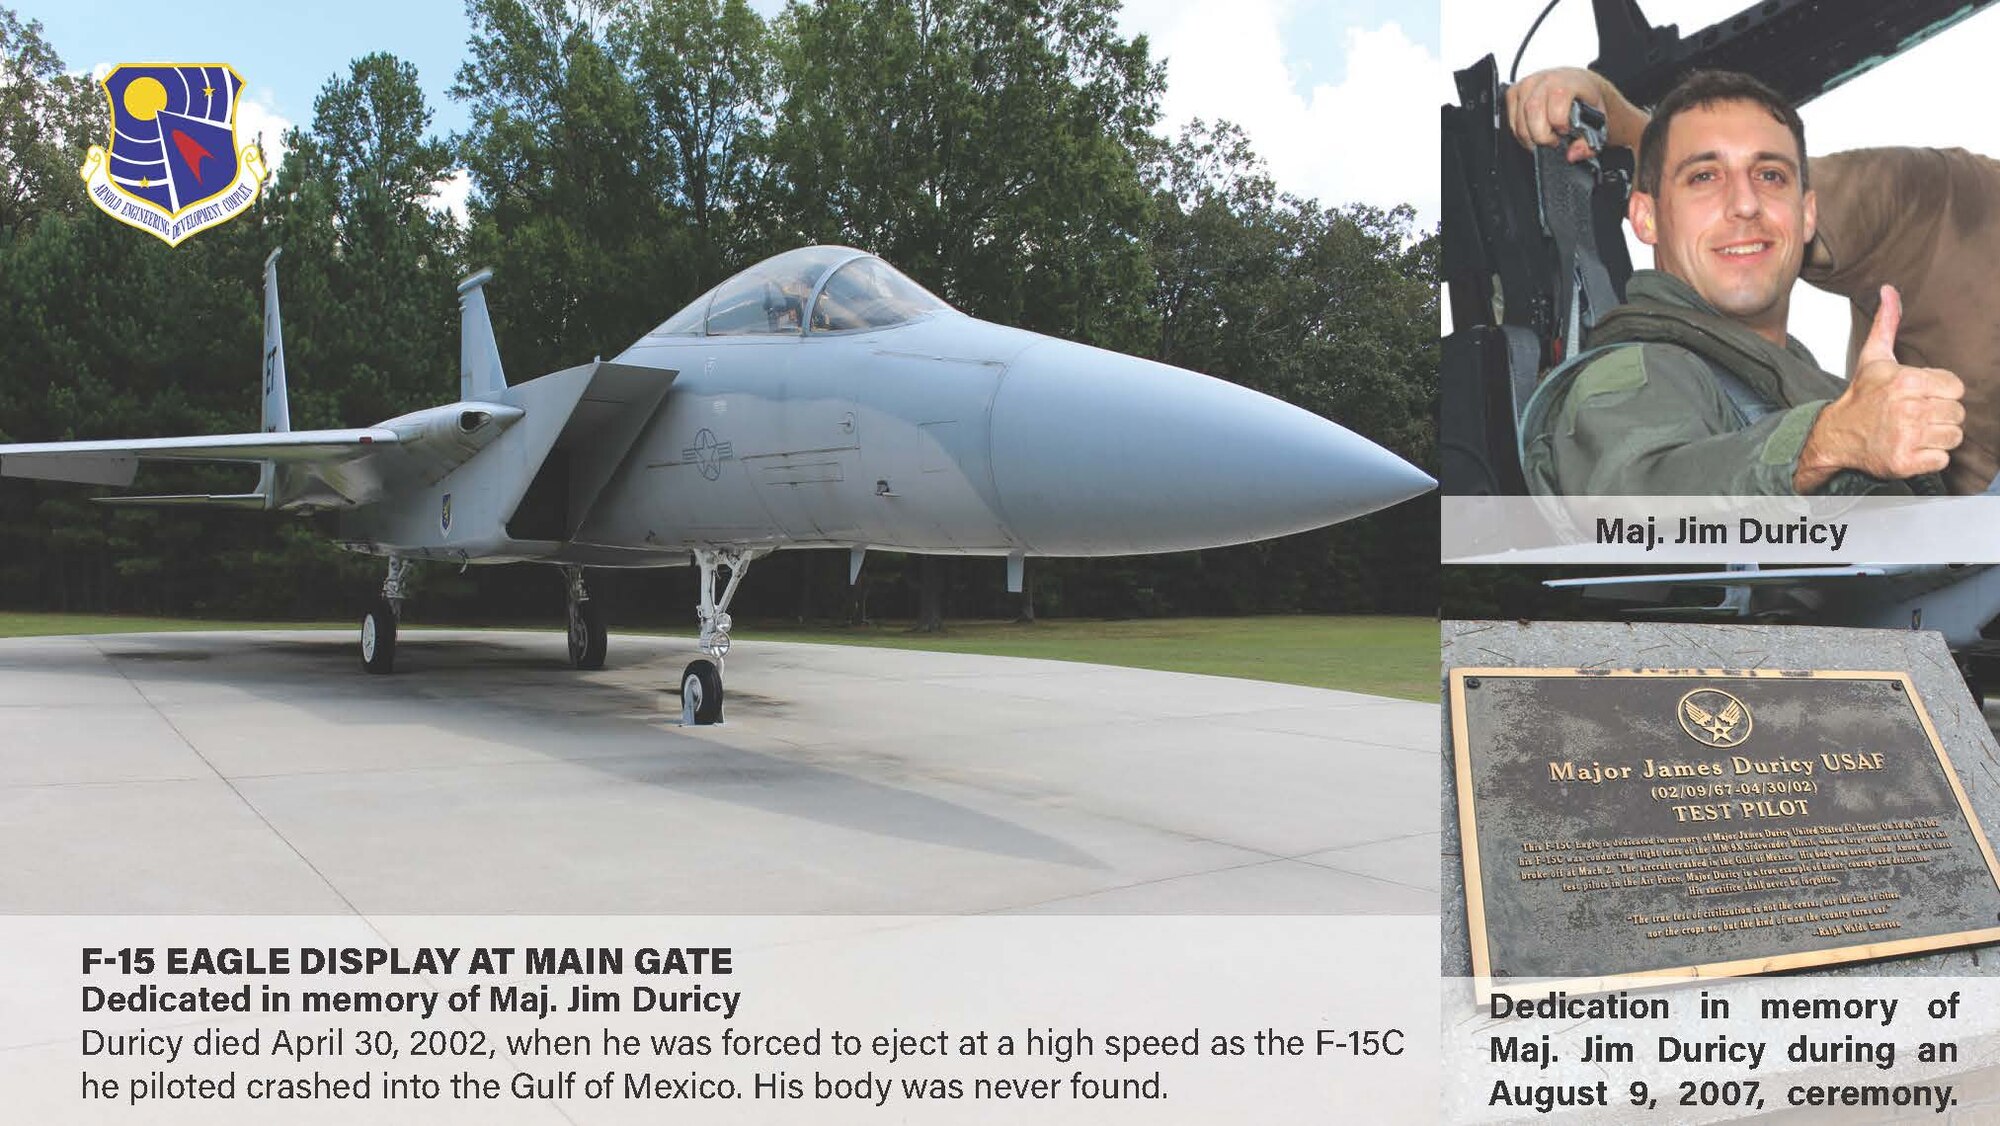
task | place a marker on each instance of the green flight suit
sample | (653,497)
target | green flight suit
(1652,419)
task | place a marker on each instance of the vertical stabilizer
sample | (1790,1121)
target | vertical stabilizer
(277,408)
(479,372)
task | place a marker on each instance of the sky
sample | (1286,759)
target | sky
(1916,98)
(1308,80)
(1335,96)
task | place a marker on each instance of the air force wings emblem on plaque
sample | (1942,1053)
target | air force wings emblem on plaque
(172,165)
(1714,717)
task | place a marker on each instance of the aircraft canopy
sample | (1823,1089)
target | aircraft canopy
(846,289)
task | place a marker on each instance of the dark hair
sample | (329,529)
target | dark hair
(1700,90)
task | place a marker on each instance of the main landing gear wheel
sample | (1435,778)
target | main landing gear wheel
(378,626)
(378,637)
(586,623)
(587,640)
(701,692)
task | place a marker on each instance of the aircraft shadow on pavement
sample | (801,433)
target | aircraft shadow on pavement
(541,706)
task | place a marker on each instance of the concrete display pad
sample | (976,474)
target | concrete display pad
(265,773)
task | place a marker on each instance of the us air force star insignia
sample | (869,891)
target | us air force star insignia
(708,454)
(1715,718)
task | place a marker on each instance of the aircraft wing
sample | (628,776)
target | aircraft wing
(1728,578)
(1736,585)
(116,462)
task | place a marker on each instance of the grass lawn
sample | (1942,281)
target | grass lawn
(1383,656)
(14,624)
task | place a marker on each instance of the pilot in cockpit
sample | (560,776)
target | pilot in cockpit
(784,304)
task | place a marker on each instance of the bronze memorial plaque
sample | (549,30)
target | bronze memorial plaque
(1646,822)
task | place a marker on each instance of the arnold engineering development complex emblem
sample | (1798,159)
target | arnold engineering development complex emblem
(171,165)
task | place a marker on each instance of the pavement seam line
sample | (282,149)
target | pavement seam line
(1263,859)
(1364,875)
(231,784)
(1305,858)
(1266,858)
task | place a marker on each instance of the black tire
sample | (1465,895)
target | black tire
(587,640)
(378,638)
(701,691)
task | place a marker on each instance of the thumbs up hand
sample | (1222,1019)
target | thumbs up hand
(1893,421)
(1881,342)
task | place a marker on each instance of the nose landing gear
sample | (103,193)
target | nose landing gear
(701,693)
(701,682)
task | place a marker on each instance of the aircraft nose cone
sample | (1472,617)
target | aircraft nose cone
(1096,453)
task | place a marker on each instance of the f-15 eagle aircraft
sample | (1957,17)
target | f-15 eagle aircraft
(818,399)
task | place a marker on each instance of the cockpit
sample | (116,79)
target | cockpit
(816,289)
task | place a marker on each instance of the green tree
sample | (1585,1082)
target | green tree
(567,182)
(105,332)
(371,258)
(47,118)
(703,71)
(987,147)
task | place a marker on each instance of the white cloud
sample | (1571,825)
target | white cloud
(450,196)
(257,119)
(1371,138)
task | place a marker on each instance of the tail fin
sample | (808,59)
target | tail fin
(277,417)
(479,373)
(277,408)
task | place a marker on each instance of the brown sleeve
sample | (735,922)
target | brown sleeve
(1928,222)
(1878,211)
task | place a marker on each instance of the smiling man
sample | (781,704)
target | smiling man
(1693,386)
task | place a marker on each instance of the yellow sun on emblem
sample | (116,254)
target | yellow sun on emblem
(144,98)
